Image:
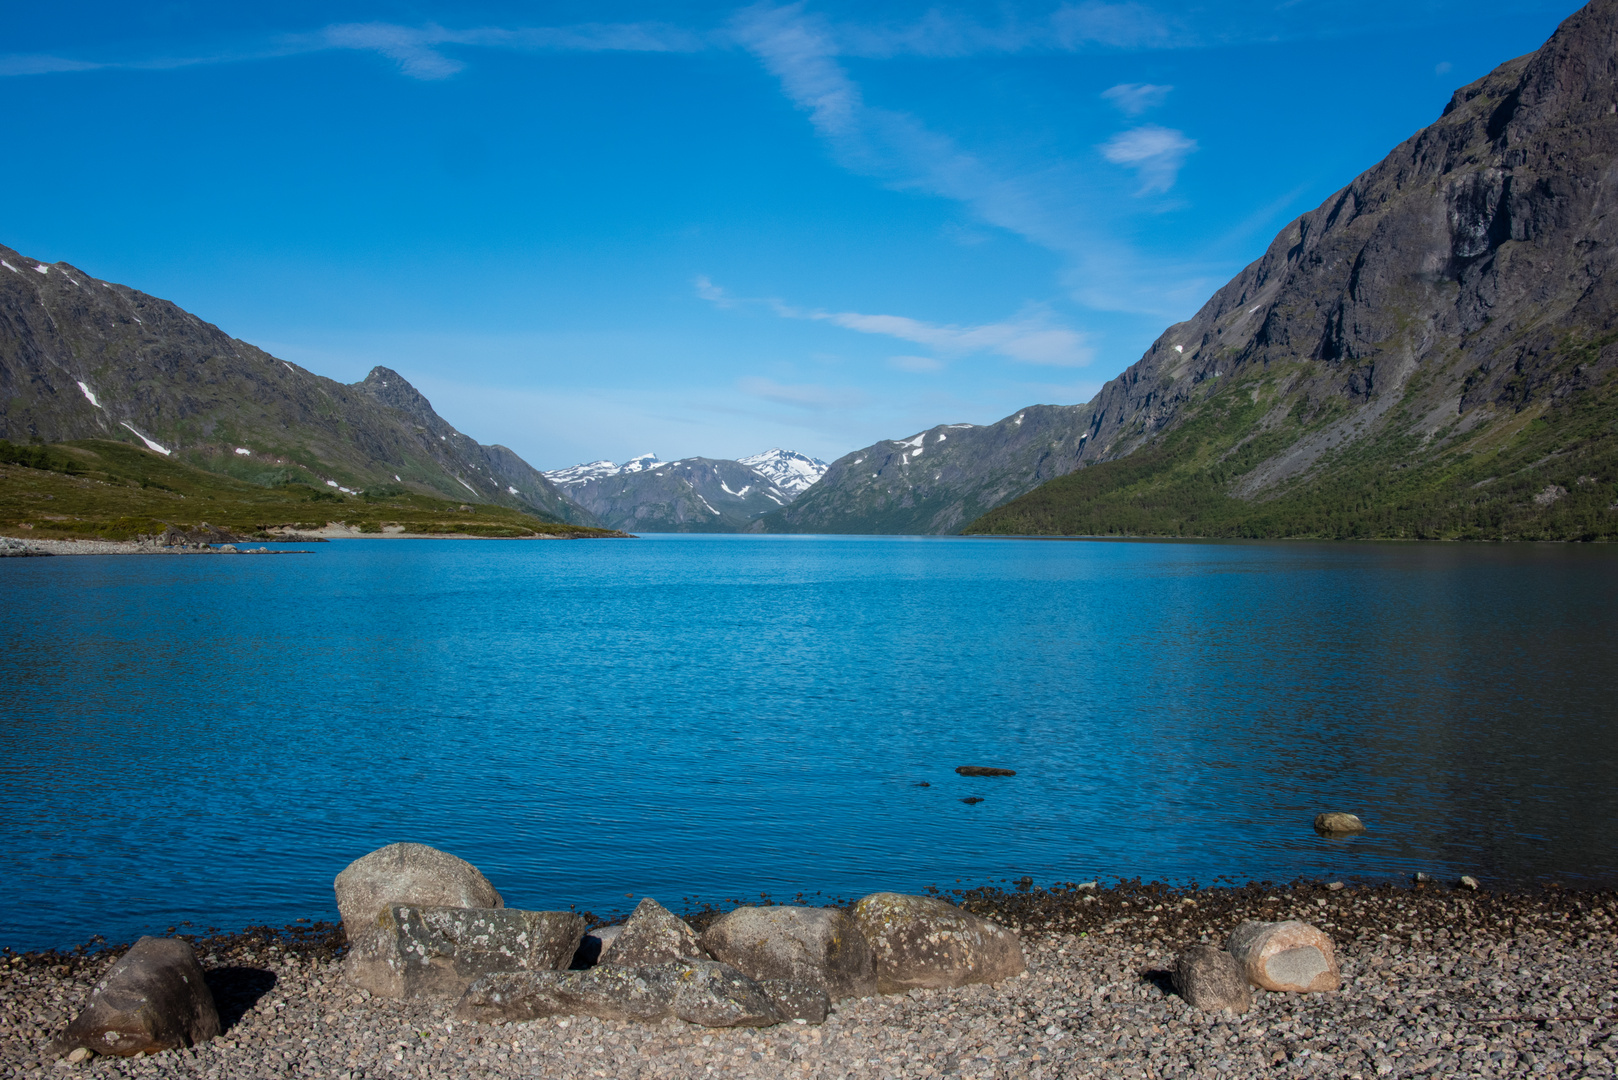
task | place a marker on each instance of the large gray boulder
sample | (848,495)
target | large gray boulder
(1209,978)
(412,874)
(820,947)
(923,942)
(440,951)
(154,998)
(697,991)
(1286,956)
(652,935)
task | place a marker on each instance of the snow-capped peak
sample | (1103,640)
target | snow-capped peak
(574,475)
(790,471)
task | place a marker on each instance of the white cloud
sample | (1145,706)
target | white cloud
(1132,99)
(409,47)
(1155,153)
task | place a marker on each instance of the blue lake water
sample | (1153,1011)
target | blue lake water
(212,739)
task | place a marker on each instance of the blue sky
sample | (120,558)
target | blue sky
(595,230)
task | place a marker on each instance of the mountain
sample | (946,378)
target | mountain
(790,471)
(1429,353)
(82,358)
(939,480)
(691,495)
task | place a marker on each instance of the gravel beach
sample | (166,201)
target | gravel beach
(1437,982)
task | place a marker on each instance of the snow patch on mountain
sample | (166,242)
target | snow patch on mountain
(790,471)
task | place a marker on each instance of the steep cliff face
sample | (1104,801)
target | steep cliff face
(82,358)
(1428,353)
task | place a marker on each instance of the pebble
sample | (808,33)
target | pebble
(1438,984)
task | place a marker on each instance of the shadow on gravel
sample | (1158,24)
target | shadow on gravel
(1163,979)
(236,990)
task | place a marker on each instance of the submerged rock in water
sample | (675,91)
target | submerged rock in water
(819,947)
(1337,823)
(983,770)
(1286,956)
(425,951)
(154,998)
(923,942)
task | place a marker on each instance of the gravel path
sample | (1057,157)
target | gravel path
(1436,983)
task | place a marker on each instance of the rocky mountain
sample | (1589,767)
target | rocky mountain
(82,358)
(1429,353)
(691,495)
(790,471)
(940,480)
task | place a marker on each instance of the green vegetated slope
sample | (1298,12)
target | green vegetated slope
(102,489)
(1430,353)
(1546,474)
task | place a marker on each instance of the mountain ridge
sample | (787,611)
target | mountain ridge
(82,358)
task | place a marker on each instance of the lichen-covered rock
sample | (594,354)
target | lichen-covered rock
(820,947)
(698,992)
(653,935)
(1286,956)
(798,1001)
(154,998)
(412,874)
(422,951)
(923,942)
(1211,979)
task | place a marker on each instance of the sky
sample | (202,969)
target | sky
(594,230)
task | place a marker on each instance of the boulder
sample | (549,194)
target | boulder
(1285,956)
(1209,978)
(798,1001)
(412,874)
(921,941)
(594,945)
(697,991)
(154,998)
(820,947)
(653,935)
(1337,823)
(426,951)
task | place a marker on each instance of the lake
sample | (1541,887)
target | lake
(714,717)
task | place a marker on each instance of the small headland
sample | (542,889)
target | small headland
(1436,981)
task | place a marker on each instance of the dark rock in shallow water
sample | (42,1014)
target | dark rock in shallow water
(972,800)
(920,941)
(421,951)
(1337,823)
(698,992)
(983,770)
(653,935)
(1210,978)
(819,947)
(154,998)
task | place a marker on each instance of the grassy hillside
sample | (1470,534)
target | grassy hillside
(111,490)
(1549,472)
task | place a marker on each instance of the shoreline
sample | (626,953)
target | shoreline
(1436,981)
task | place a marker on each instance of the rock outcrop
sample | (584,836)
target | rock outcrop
(920,942)
(652,935)
(698,991)
(154,998)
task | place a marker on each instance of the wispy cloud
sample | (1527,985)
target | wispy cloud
(801,395)
(1155,153)
(1132,99)
(1034,337)
(920,365)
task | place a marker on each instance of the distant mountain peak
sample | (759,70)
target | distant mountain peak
(790,471)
